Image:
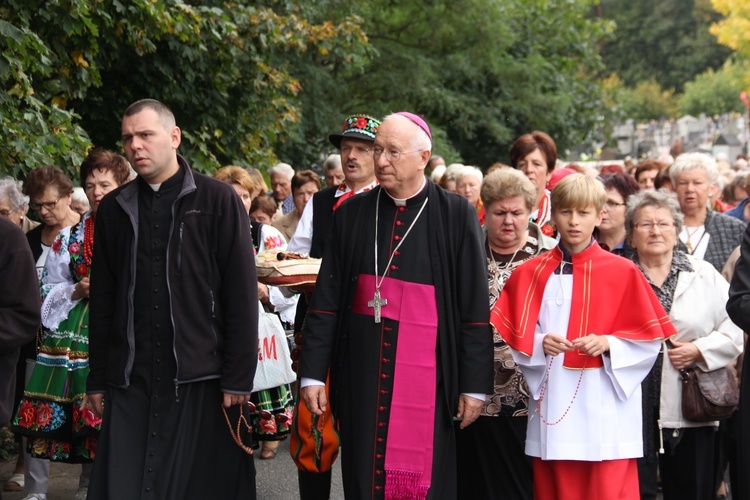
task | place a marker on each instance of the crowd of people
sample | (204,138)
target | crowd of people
(519,332)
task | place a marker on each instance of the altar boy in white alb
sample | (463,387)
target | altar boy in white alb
(598,311)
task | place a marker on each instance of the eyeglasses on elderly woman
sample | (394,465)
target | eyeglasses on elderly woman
(49,205)
(647,226)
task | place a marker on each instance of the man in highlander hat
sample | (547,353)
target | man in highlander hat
(314,442)
(399,316)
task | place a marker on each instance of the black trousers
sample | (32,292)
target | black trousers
(492,463)
(687,471)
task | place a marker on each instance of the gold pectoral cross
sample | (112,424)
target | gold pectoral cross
(376,303)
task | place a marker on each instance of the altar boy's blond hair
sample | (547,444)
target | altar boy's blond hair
(578,191)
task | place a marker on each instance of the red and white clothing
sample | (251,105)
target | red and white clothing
(583,410)
(542,216)
(614,390)
(301,242)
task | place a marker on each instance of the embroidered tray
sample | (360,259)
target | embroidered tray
(295,271)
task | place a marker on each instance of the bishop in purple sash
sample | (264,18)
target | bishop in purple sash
(399,317)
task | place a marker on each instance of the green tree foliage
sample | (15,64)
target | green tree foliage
(481,72)
(228,78)
(668,41)
(253,82)
(715,91)
(34,130)
(648,101)
(222,66)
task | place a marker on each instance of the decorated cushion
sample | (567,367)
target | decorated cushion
(296,271)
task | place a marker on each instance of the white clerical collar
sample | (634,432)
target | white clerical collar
(401,202)
(156,187)
(343,188)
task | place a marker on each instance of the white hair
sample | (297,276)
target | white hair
(421,141)
(468,170)
(12,190)
(79,195)
(282,169)
(437,173)
(694,161)
(333,162)
(453,170)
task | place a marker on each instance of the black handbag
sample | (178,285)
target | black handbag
(708,396)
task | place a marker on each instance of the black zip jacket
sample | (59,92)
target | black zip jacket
(211,280)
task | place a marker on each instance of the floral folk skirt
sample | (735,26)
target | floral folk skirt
(51,414)
(273,413)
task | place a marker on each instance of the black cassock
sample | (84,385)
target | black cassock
(444,249)
(158,440)
(738,308)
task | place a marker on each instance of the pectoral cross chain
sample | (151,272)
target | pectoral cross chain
(376,303)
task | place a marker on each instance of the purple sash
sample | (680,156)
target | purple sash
(411,427)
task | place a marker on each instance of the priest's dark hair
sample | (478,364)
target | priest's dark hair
(166,117)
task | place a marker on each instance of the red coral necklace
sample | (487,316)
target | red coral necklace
(88,241)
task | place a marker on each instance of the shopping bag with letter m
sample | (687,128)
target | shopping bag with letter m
(274,361)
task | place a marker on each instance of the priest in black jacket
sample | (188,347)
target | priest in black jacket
(399,313)
(173,325)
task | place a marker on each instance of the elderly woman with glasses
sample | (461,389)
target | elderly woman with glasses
(694,295)
(13,206)
(611,232)
(50,192)
(707,235)
(491,458)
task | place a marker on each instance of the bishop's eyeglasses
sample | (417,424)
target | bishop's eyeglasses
(392,156)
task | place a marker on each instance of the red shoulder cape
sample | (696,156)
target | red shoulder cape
(610,297)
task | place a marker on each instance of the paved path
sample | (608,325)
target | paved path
(276,479)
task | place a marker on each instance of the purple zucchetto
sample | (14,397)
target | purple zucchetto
(418,120)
